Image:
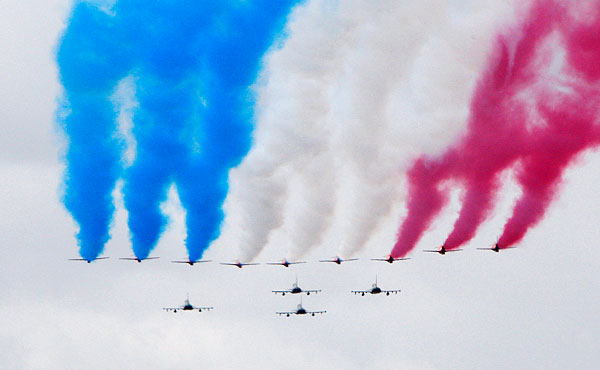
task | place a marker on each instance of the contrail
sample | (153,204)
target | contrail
(191,63)
(535,108)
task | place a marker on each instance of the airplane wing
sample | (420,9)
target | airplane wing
(361,291)
(171,308)
(432,251)
(199,261)
(203,308)
(401,259)
(238,265)
(485,249)
(83,259)
(281,291)
(378,259)
(453,250)
(315,312)
(312,291)
(286,313)
(348,260)
(390,291)
(128,258)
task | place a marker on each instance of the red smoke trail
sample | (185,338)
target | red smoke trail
(526,112)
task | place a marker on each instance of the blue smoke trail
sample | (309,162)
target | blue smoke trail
(192,62)
(89,69)
(233,59)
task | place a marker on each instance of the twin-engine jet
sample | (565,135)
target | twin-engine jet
(285,263)
(88,261)
(187,306)
(390,259)
(238,264)
(191,263)
(375,290)
(295,290)
(496,248)
(300,311)
(338,260)
(442,250)
(138,259)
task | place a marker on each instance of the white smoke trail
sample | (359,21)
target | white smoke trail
(356,91)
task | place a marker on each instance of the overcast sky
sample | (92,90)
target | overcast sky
(534,307)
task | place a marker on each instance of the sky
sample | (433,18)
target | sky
(531,307)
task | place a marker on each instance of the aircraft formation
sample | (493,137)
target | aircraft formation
(296,289)
(286,263)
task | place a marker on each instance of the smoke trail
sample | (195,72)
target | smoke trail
(348,97)
(191,63)
(292,129)
(234,58)
(89,69)
(529,108)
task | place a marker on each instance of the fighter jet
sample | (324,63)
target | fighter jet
(338,260)
(88,261)
(390,259)
(187,306)
(295,290)
(496,248)
(191,263)
(285,263)
(138,259)
(375,290)
(300,311)
(238,264)
(442,250)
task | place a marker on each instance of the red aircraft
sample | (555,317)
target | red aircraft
(443,250)
(338,260)
(191,263)
(285,263)
(390,259)
(238,264)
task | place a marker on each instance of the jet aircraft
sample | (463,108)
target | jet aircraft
(88,261)
(187,306)
(338,260)
(300,311)
(285,263)
(238,264)
(496,248)
(138,259)
(191,263)
(295,290)
(442,250)
(390,259)
(375,290)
